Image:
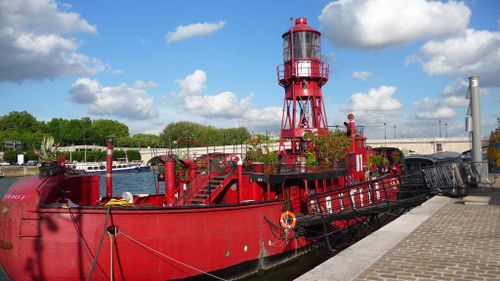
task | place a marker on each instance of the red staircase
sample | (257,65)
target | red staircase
(203,194)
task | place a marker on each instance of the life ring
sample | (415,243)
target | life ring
(394,181)
(288,220)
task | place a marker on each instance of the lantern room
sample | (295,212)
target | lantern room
(305,42)
(302,53)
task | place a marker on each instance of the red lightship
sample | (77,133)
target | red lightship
(221,218)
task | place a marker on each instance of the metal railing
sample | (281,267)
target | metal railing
(354,197)
(448,178)
(300,69)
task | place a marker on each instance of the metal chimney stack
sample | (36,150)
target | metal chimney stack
(475,112)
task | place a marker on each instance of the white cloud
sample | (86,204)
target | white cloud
(373,107)
(456,88)
(426,104)
(456,101)
(447,101)
(384,23)
(453,95)
(192,83)
(142,85)
(121,101)
(473,53)
(183,32)
(439,113)
(36,42)
(362,75)
(380,99)
(117,71)
(225,105)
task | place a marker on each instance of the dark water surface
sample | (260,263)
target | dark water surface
(146,183)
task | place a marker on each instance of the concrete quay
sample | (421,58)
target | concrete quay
(443,239)
(19,171)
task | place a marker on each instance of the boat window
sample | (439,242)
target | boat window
(114,166)
(102,167)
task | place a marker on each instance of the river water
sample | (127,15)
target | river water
(146,183)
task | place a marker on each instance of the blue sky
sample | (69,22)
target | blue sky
(401,62)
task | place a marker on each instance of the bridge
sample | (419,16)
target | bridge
(407,145)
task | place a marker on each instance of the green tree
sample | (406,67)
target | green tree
(55,128)
(234,135)
(103,128)
(133,155)
(144,140)
(181,132)
(138,140)
(20,126)
(19,121)
(10,156)
(117,154)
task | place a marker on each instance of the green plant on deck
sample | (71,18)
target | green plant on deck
(181,172)
(311,159)
(373,161)
(255,153)
(48,149)
(258,153)
(270,158)
(326,150)
(396,157)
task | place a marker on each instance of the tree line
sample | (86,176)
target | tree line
(26,129)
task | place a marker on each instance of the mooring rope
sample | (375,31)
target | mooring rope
(111,248)
(170,258)
(94,263)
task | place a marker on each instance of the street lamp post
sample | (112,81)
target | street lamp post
(385,130)
(439,122)
(394,131)
(446,129)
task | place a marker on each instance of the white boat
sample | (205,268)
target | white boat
(100,167)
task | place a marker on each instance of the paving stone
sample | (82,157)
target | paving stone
(459,242)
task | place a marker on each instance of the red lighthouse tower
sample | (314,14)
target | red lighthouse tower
(302,74)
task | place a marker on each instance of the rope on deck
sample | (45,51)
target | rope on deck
(94,263)
(169,258)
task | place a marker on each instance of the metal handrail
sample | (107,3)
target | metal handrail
(283,72)
(370,193)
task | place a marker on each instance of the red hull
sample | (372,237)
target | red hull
(60,243)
